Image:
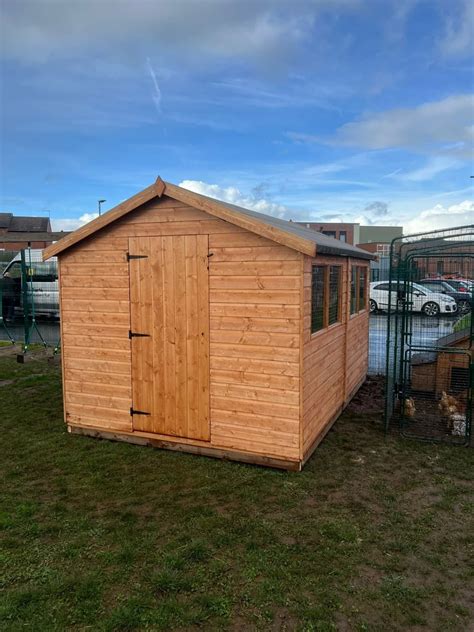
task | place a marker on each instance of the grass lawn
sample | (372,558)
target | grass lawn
(374,534)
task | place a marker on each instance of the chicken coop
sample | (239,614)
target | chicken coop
(430,359)
(195,325)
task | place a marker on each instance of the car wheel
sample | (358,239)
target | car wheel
(373,306)
(430,309)
(464,307)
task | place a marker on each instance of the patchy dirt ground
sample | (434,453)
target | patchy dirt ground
(370,398)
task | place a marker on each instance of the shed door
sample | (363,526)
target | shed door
(169,303)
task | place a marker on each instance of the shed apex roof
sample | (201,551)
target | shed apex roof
(281,231)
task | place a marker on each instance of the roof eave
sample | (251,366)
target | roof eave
(208,205)
(154,190)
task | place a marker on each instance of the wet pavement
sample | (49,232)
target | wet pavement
(49,330)
(425,332)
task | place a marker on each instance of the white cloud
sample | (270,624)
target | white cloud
(440,217)
(156,94)
(72,223)
(432,168)
(368,212)
(458,38)
(232,195)
(444,126)
(39,30)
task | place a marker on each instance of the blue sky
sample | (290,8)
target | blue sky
(358,110)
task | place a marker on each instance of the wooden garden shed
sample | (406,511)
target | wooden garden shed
(191,324)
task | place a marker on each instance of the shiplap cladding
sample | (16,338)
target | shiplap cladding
(334,358)
(254,296)
(273,387)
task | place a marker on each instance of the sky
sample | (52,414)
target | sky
(316,110)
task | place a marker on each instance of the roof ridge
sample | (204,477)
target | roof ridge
(279,230)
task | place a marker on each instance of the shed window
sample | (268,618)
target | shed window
(318,283)
(354,289)
(334,295)
(359,289)
(325,297)
(362,288)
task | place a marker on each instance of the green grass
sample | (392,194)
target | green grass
(463,323)
(374,534)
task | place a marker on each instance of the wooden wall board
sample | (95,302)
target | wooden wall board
(254,306)
(334,359)
(274,389)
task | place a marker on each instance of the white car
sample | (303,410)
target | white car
(420,299)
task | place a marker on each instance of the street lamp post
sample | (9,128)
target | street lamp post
(99,202)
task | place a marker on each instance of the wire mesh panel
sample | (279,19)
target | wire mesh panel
(317,298)
(29,300)
(429,349)
(437,398)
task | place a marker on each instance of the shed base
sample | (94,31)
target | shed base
(219,453)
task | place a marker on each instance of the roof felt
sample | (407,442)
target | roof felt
(427,357)
(278,230)
(324,244)
(451,339)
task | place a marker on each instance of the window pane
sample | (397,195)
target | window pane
(342,235)
(15,270)
(362,284)
(334,284)
(317,298)
(42,272)
(353,290)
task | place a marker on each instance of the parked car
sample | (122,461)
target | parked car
(41,280)
(420,299)
(463,299)
(461,285)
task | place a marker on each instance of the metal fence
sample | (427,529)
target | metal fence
(29,300)
(428,299)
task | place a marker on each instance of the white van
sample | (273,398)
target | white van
(42,282)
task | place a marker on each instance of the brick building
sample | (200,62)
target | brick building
(348,233)
(374,239)
(18,231)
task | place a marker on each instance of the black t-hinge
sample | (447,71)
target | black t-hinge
(132,334)
(129,256)
(138,412)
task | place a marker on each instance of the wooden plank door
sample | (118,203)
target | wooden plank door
(169,304)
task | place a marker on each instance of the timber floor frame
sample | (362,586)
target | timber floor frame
(272,389)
